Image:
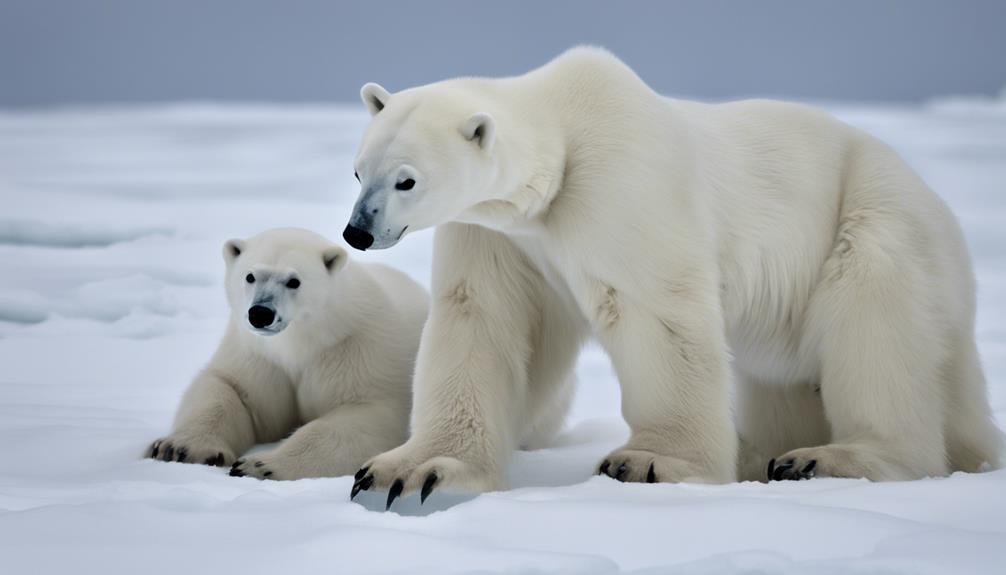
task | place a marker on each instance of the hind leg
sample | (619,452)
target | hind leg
(974,442)
(551,376)
(881,347)
(548,419)
(332,445)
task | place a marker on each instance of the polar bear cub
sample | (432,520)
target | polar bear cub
(315,343)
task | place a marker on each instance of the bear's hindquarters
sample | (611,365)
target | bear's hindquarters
(883,321)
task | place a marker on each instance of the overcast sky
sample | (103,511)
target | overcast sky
(108,51)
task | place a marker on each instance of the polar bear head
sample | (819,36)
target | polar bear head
(280,278)
(427,156)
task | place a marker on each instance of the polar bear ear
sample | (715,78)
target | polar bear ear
(232,249)
(481,129)
(374,97)
(334,258)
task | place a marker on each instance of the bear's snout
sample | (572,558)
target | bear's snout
(260,316)
(359,239)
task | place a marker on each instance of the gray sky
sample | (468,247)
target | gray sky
(108,51)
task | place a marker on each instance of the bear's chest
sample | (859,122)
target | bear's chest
(315,397)
(315,375)
(571,277)
(544,259)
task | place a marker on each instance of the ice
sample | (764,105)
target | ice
(111,299)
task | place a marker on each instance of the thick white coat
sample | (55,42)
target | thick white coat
(337,376)
(768,281)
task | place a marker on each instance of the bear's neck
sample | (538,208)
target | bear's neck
(533,161)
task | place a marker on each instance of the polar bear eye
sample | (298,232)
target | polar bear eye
(293,283)
(405,185)
(250,278)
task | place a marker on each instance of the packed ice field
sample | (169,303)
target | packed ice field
(111,299)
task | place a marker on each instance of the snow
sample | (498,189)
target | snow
(111,299)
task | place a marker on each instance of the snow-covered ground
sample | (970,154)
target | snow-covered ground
(111,223)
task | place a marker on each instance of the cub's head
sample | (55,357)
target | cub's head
(427,156)
(280,278)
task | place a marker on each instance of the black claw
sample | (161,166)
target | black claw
(259,464)
(220,459)
(366,482)
(809,469)
(183,454)
(603,470)
(620,472)
(782,471)
(394,492)
(431,480)
(169,453)
(267,474)
(361,485)
(235,472)
(787,470)
(359,474)
(154,449)
(651,475)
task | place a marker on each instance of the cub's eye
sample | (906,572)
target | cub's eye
(293,283)
(250,278)
(405,185)
(357,176)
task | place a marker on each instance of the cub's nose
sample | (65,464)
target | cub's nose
(260,316)
(359,239)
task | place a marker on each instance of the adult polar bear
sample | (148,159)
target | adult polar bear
(756,242)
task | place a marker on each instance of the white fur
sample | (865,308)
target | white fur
(756,243)
(339,373)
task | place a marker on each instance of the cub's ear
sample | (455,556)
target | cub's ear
(232,249)
(334,258)
(481,129)
(374,97)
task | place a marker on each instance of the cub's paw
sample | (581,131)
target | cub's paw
(792,469)
(183,449)
(408,468)
(642,466)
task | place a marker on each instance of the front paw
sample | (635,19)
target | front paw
(191,449)
(643,466)
(413,468)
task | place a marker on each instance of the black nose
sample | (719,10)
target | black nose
(359,239)
(260,316)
